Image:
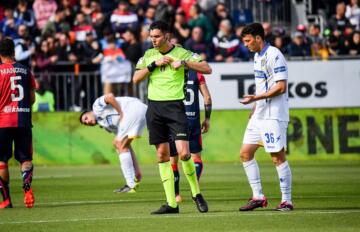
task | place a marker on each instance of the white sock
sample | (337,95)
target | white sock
(253,174)
(284,173)
(127,167)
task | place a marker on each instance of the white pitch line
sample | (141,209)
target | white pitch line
(264,213)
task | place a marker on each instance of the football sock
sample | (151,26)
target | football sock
(167,178)
(4,189)
(285,177)
(198,167)
(176,178)
(253,174)
(190,173)
(27,177)
(127,167)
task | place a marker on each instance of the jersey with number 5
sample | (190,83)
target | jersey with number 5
(16,84)
(191,101)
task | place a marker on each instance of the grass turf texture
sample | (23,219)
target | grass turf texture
(326,196)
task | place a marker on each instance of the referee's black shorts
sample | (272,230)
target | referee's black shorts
(166,118)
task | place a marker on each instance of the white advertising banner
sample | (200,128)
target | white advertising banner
(311,84)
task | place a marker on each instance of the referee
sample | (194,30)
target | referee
(166,65)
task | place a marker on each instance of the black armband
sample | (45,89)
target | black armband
(151,67)
(207,110)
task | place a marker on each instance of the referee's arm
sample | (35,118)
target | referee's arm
(140,75)
(201,67)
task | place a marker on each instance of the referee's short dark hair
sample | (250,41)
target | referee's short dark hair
(7,48)
(253,29)
(161,25)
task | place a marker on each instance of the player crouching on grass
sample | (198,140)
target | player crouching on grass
(17,94)
(125,117)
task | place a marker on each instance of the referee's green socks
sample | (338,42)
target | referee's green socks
(190,173)
(167,177)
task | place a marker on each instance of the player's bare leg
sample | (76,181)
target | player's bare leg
(4,186)
(27,174)
(126,164)
(285,179)
(188,166)
(247,154)
(167,178)
(138,175)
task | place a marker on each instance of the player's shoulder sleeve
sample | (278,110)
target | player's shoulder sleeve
(99,105)
(278,65)
(191,56)
(144,61)
(201,78)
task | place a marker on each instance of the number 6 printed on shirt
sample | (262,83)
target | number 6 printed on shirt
(15,86)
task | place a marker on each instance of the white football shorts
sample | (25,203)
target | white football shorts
(268,133)
(133,123)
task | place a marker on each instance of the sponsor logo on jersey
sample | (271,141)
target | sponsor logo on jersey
(13,109)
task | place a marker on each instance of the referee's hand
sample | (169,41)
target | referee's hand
(163,61)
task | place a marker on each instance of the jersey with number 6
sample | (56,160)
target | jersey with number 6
(16,84)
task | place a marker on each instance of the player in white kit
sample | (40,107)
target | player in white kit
(125,117)
(269,118)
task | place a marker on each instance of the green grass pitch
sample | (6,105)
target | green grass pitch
(80,198)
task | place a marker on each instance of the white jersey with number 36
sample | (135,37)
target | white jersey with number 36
(269,67)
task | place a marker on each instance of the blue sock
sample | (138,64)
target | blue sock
(198,168)
(177,178)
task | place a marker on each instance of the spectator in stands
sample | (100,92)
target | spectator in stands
(269,37)
(115,70)
(25,14)
(336,48)
(225,43)
(82,28)
(186,5)
(24,47)
(137,7)
(164,11)
(9,24)
(69,11)
(181,30)
(84,7)
(339,21)
(89,49)
(44,99)
(132,46)
(199,19)
(100,23)
(63,49)
(319,50)
(354,45)
(145,39)
(43,10)
(279,44)
(197,44)
(353,13)
(56,24)
(95,10)
(315,34)
(149,16)
(109,35)
(44,60)
(219,13)
(298,47)
(122,19)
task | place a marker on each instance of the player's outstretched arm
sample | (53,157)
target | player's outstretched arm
(205,125)
(111,100)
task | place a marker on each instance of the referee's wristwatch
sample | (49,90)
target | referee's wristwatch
(183,63)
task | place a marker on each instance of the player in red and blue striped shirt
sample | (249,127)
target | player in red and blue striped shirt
(17,94)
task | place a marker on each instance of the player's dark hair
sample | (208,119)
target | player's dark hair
(161,25)
(81,114)
(253,29)
(7,48)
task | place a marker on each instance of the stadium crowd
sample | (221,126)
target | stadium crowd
(51,32)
